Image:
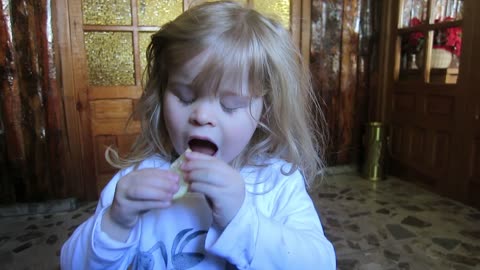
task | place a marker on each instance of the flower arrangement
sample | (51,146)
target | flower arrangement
(415,41)
(449,39)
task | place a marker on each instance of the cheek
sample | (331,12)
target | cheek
(242,129)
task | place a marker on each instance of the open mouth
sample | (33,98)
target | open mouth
(203,146)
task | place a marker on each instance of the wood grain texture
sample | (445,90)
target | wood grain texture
(341,66)
(12,135)
(31,101)
(81,142)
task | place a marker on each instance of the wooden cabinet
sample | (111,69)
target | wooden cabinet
(432,111)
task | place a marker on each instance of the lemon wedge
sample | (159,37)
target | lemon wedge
(175,167)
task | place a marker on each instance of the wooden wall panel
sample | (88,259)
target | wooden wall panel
(473,171)
(106,92)
(111,108)
(12,135)
(441,151)
(341,63)
(396,141)
(102,180)
(32,107)
(417,147)
(439,105)
(403,102)
(104,171)
(125,142)
(101,145)
(474,161)
(114,127)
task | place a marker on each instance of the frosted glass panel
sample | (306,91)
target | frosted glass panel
(279,9)
(157,13)
(414,12)
(110,58)
(107,12)
(238,1)
(144,38)
(192,3)
(447,10)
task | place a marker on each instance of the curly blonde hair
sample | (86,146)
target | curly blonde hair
(237,37)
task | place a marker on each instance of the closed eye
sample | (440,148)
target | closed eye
(183,92)
(185,99)
(231,103)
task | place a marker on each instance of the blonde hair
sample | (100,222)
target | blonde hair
(237,37)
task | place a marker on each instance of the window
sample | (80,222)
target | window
(429,41)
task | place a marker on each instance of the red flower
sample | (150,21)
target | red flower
(415,21)
(415,39)
(449,39)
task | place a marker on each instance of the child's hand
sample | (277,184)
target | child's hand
(140,191)
(222,185)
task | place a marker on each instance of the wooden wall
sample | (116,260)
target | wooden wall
(32,141)
(343,65)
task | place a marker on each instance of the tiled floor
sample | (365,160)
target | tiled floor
(390,224)
(393,224)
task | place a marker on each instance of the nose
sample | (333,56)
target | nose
(203,113)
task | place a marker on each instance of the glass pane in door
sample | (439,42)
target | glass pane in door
(157,13)
(144,40)
(447,10)
(280,9)
(110,58)
(107,12)
(414,12)
(446,50)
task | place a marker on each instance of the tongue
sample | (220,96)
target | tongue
(204,147)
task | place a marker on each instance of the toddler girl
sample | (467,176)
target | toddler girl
(229,84)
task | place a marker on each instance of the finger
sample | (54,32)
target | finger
(162,184)
(148,174)
(206,176)
(204,188)
(157,180)
(142,206)
(148,192)
(197,164)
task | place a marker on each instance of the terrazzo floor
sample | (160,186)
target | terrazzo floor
(391,224)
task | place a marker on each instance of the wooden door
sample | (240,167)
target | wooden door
(426,99)
(102,47)
(469,166)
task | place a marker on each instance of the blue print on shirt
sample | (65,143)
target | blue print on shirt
(180,260)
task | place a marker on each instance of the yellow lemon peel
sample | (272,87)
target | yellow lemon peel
(175,167)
